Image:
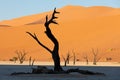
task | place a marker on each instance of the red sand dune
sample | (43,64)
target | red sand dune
(79,30)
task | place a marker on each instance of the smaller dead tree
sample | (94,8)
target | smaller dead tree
(14,59)
(96,58)
(66,60)
(74,58)
(31,62)
(21,55)
(86,59)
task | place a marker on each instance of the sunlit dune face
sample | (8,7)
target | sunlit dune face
(79,29)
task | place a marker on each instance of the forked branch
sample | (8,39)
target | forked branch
(35,37)
(52,18)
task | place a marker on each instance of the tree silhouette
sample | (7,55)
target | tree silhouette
(66,59)
(55,51)
(31,61)
(21,55)
(74,58)
(85,56)
(96,58)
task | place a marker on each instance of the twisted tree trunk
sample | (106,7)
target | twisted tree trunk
(55,51)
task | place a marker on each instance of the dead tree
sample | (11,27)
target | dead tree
(86,59)
(21,55)
(14,59)
(66,59)
(31,62)
(74,58)
(55,51)
(96,58)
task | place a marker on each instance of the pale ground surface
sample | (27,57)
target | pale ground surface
(111,69)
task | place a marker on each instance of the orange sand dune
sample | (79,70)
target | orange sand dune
(79,30)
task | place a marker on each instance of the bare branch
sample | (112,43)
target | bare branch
(98,59)
(35,37)
(56,11)
(52,18)
(54,22)
(93,52)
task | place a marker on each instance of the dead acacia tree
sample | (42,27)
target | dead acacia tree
(74,58)
(96,57)
(86,58)
(66,59)
(55,51)
(31,62)
(21,55)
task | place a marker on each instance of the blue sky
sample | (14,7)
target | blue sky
(16,8)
